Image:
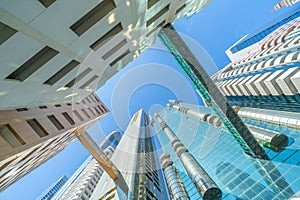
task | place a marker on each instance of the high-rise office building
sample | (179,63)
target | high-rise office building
(68,48)
(221,157)
(137,159)
(284,3)
(264,71)
(53,189)
(65,50)
(82,183)
(30,136)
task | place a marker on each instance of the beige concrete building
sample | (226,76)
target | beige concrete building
(30,136)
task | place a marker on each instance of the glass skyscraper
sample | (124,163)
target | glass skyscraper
(53,189)
(137,159)
(237,174)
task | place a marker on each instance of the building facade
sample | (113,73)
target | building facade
(52,190)
(136,157)
(264,70)
(237,175)
(67,49)
(30,136)
(82,183)
(284,3)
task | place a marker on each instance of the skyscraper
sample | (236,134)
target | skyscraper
(30,136)
(223,159)
(137,159)
(284,3)
(53,189)
(82,183)
(67,49)
(60,52)
(264,72)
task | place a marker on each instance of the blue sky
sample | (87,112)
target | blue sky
(152,79)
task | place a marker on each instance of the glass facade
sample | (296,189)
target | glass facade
(238,175)
(253,38)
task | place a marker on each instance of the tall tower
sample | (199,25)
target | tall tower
(136,157)
(264,72)
(53,189)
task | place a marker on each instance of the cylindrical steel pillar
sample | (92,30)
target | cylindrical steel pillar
(270,139)
(176,188)
(211,119)
(205,185)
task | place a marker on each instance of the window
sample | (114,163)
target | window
(7,163)
(114,31)
(87,98)
(97,111)
(22,109)
(61,73)
(69,104)
(114,49)
(55,122)
(78,78)
(78,115)
(37,127)
(295,56)
(151,3)
(11,136)
(120,57)
(5,32)
(57,105)
(43,107)
(93,16)
(153,30)
(92,98)
(104,108)
(180,9)
(158,15)
(33,64)
(46,3)
(100,109)
(88,82)
(97,99)
(68,117)
(86,114)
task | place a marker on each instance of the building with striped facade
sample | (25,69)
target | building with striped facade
(264,69)
(53,189)
(63,50)
(29,136)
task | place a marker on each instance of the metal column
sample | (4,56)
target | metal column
(205,185)
(210,93)
(176,188)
